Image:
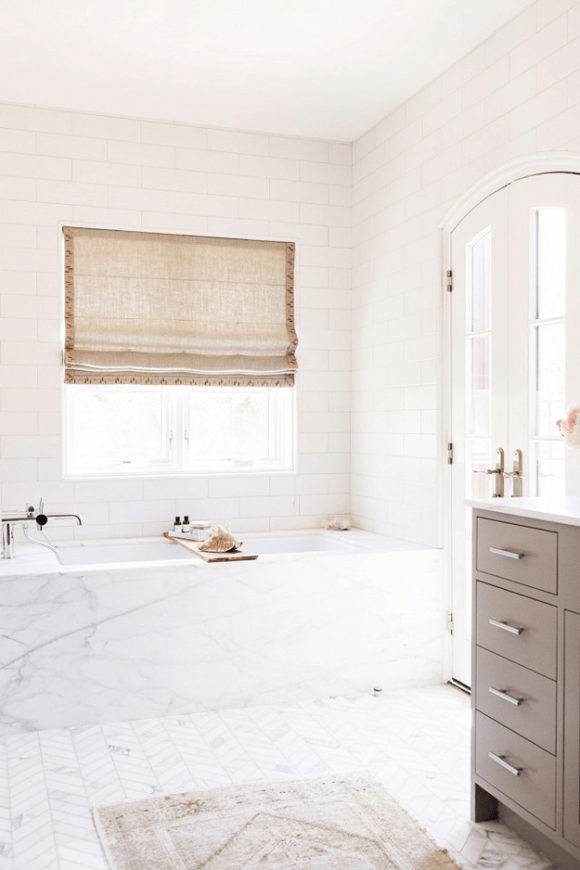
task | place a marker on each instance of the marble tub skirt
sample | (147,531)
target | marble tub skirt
(80,647)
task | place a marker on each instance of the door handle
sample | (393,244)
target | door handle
(498,471)
(516,474)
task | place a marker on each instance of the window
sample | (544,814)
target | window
(179,353)
(134,429)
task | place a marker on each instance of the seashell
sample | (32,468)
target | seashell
(220,541)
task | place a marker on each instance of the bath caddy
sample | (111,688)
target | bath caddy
(235,556)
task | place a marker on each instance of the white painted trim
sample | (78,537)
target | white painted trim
(520,167)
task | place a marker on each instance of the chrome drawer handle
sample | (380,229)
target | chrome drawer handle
(501,693)
(507,553)
(511,628)
(499,759)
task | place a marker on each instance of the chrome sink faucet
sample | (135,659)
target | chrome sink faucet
(32,514)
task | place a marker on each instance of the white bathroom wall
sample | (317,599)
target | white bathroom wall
(516,94)
(58,166)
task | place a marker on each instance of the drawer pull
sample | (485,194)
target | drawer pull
(499,759)
(511,628)
(501,693)
(507,553)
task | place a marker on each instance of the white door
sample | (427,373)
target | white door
(515,296)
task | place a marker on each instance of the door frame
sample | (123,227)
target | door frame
(521,167)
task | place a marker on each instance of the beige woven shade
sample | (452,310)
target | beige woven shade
(155,308)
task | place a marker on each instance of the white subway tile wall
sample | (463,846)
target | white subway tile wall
(376,451)
(516,94)
(58,167)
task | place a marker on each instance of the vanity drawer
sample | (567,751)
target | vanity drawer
(534,788)
(535,716)
(538,550)
(517,628)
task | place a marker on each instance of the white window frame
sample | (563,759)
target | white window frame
(282,452)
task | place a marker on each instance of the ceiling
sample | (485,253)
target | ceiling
(316,68)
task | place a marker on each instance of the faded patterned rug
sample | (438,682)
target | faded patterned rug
(338,823)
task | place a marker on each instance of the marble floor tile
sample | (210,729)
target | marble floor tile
(415,742)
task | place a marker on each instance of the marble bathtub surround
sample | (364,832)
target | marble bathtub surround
(83,647)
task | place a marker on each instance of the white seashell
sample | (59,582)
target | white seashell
(220,541)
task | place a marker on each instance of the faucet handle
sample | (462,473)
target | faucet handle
(41,506)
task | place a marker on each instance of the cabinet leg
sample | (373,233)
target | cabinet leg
(483,805)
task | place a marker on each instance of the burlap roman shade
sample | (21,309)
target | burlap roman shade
(155,308)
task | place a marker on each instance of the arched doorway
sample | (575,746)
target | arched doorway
(513,359)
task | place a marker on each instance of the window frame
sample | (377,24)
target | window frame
(282,436)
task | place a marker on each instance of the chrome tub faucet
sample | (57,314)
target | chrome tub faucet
(32,514)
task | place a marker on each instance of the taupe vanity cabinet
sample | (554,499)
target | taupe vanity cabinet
(572,728)
(526,676)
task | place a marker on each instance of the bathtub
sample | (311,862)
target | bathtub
(160,551)
(318,614)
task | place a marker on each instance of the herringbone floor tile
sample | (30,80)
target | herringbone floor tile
(415,742)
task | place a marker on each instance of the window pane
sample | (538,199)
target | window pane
(550,377)
(117,425)
(229,425)
(550,467)
(481,285)
(551,263)
(479,375)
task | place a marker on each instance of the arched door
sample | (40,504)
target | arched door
(515,359)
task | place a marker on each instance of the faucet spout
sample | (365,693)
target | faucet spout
(32,514)
(76,517)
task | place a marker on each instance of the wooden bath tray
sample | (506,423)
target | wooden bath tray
(236,556)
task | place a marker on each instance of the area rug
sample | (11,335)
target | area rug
(338,823)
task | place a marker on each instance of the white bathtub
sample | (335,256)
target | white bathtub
(156,551)
(155,637)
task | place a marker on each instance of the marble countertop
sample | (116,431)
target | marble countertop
(565,509)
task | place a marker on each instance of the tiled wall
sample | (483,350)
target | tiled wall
(58,166)
(516,94)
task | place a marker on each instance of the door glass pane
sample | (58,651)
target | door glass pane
(551,263)
(550,468)
(479,386)
(550,377)
(478,459)
(481,285)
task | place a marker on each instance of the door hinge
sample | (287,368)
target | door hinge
(449,281)
(450,623)
(449,453)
